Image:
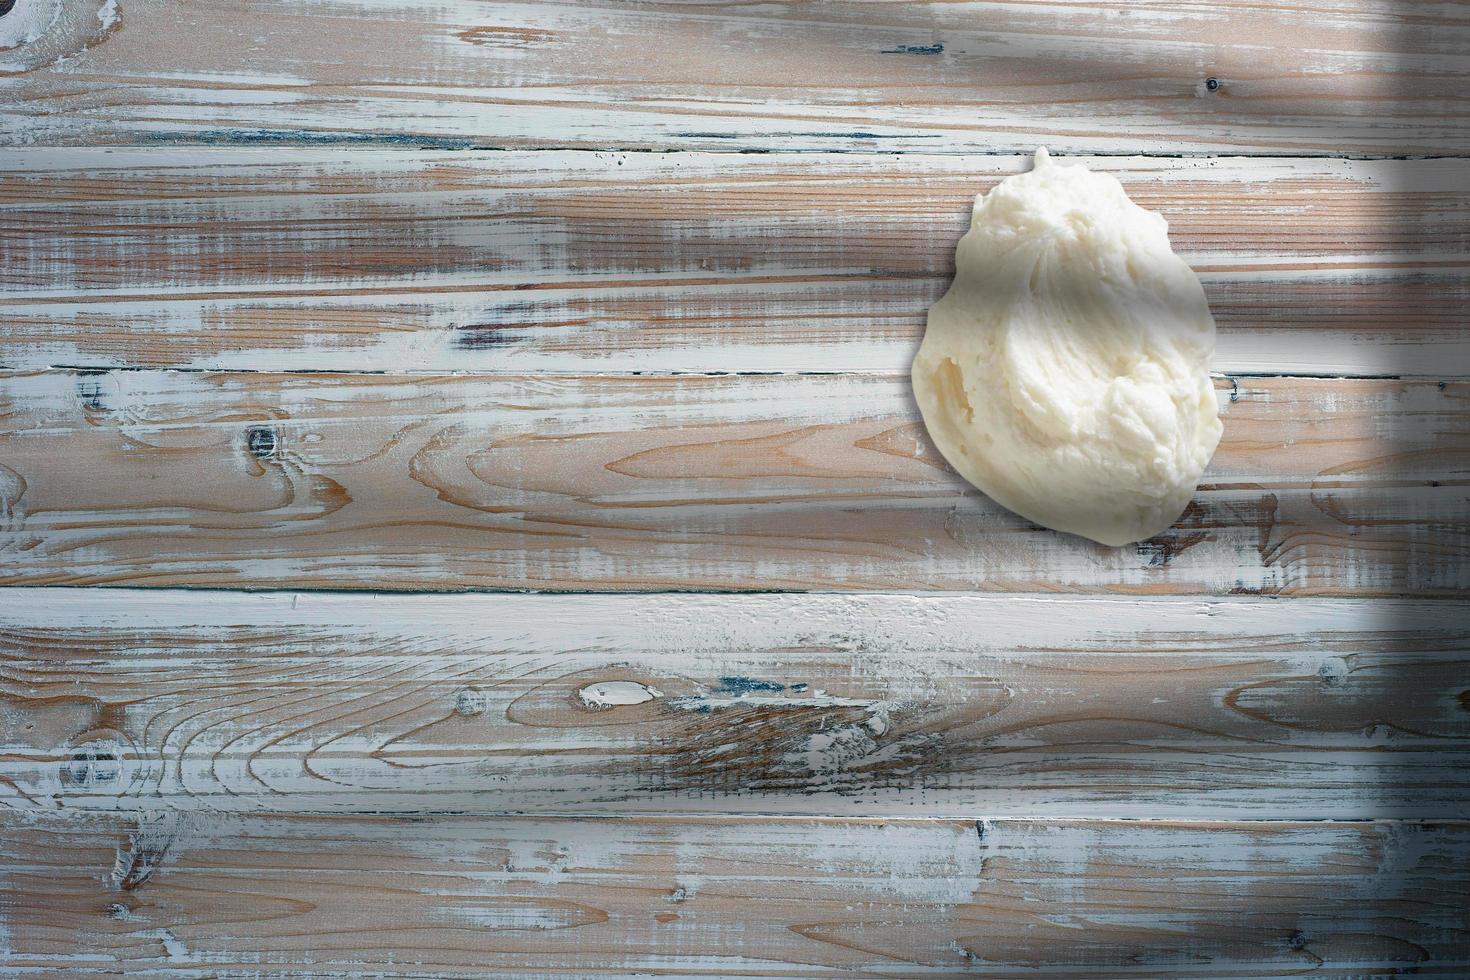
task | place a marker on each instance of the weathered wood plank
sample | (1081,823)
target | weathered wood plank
(1315,76)
(364,260)
(742,482)
(212,895)
(1055,706)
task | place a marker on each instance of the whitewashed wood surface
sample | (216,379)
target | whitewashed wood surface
(291,259)
(749,482)
(316,314)
(1316,77)
(801,704)
(183,896)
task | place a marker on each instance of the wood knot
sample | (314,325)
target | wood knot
(89,388)
(95,766)
(469,702)
(261,441)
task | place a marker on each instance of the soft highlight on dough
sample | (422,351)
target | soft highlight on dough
(1066,371)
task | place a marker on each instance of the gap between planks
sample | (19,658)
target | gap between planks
(100,369)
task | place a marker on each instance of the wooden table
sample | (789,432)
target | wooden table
(463,511)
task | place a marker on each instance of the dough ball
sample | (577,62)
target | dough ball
(1066,371)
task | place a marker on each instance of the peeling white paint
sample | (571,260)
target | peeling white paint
(26,23)
(611,694)
(510,916)
(886,627)
(173,949)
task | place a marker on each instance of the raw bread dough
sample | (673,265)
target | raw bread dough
(1066,371)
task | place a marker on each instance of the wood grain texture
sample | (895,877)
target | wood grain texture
(1312,77)
(691,482)
(200,784)
(942,706)
(251,896)
(367,260)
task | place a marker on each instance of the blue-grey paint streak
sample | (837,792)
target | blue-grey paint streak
(747,685)
(846,136)
(302,137)
(914,49)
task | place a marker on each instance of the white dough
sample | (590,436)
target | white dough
(1066,371)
